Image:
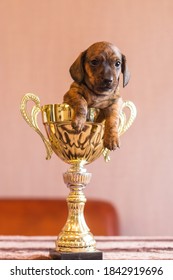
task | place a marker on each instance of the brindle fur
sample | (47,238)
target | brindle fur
(96,75)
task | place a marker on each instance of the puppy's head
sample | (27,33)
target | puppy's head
(99,67)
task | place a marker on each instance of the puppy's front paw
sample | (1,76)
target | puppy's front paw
(78,124)
(111,141)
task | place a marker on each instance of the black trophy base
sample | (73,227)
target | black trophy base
(96,255)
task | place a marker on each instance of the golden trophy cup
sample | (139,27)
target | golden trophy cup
(75,241)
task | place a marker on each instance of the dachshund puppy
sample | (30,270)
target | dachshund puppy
(96,74)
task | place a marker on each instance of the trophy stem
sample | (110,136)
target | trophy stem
(75,235)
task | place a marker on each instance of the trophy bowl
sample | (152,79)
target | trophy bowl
(71,146)
(76,149)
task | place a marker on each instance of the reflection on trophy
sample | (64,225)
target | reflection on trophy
(77,149)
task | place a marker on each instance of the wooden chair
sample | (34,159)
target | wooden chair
(48,216)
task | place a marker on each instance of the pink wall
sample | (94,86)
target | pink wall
(39,40)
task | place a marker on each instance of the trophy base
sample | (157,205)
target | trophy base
(96,255)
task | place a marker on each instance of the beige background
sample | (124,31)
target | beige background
(39,40)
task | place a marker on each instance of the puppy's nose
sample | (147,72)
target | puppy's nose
(108,82)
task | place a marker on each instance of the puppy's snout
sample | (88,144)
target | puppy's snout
(108,82)
(107,77)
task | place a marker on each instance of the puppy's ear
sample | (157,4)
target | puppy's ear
(125,71)
(77,68)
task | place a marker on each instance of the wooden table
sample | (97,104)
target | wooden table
(113,248)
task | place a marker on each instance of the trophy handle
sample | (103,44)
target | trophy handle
(124,123)
(31,118)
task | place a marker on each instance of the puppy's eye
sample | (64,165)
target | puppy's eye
(118,63)
(94,62)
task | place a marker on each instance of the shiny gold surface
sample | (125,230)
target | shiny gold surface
(76,149)
(68,144)
(75,235)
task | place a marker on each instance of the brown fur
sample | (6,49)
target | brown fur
(96,75)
